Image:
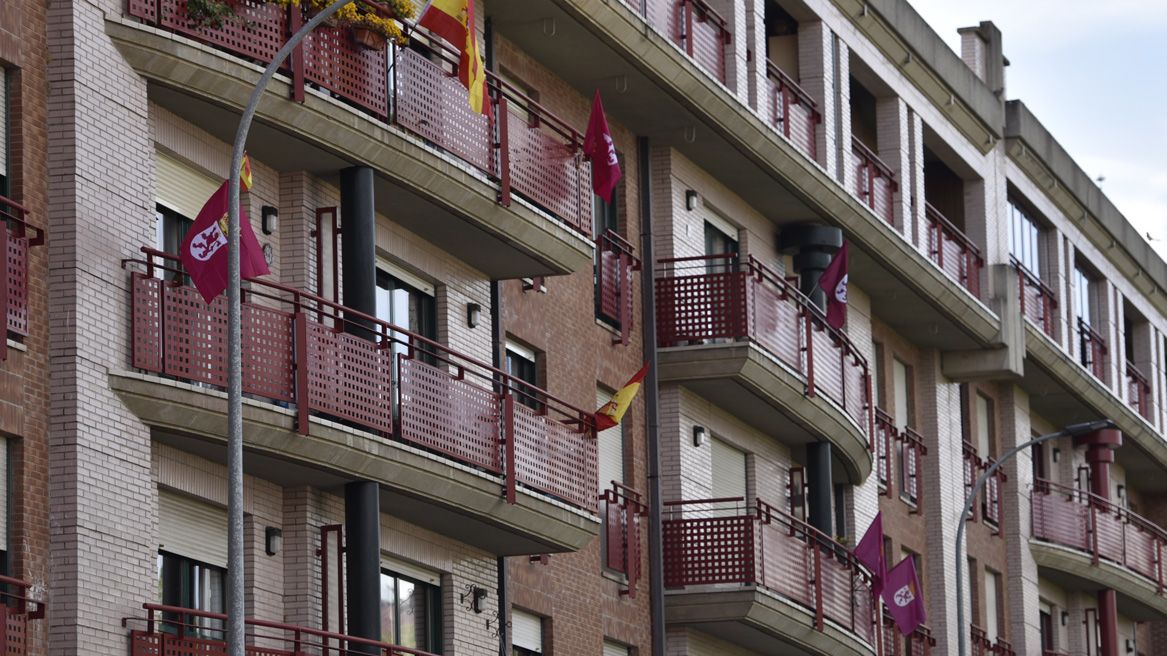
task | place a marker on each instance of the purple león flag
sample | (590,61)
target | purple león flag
(869,551)
(903,598)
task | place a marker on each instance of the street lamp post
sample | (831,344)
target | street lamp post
(1073,430)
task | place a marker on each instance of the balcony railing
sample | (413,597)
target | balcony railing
(1038,303)
(953,251)
(875,183)
(1138,391)
(1003,647)
(17,607)
(707,298)
(1105,531)
(326,359)
(909,447)
(979,643)
(15,241)
(531,152)
(622,508)
(1092,350)
(972,468)
(992,498)
(614,277)
(918,643)
(176,631)
(885,435)
(911,451)
(698,29)
(725,541)
(793,110)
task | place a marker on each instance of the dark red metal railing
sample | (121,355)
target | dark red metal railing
(17,607)
(14,243)
(1138,391)
(971,468)
(918,643)
(614,277)
(726,541)
(978,641)
(1105,531)
(622,508)
(1003,647)
(875,182)
(721,299)
(885,435)
(911,451)
(330,360)
(702,33)
(1038,302)
(177,631)
(1092,350)
(793,111)
(992,498)
(953,251)
(532,151)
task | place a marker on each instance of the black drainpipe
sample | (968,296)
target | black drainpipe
(652,418)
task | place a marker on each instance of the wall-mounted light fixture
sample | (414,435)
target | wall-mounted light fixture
(273,540)
(473,314)
(1120,492)
(698,436)
(1130,646)
(473,597)
(1065,618)
(690,200)
(271,219)
(1056,453)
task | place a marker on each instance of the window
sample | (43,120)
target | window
(526,633)
(719,242)
(904,411)
(1083,296)
(407,301)
(985,428)
(604,214)
(609,448)
(613,648)
(1046,625)
(189,583)
(728,470)
(1024,237)
(169,230)
(993,620)
(4,163)
(521,365)
(973,598)
(411,612)
(876,366)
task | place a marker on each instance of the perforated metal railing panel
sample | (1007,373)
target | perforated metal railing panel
(708,42)
(708,550)
(432,104)
(1060,520)
(16,265)
(554,458)
(802,128)
(146,295)
(195,336)
(549,172)
(349,377)
(335,62)
(15,626)
(451,416)
(776,324)
(268,368)
(786,564)
(257,32)
(701,307)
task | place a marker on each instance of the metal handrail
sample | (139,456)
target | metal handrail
(1046,487)
(705,11)
(785,81)
(873,159)
(22,597)
(951,230)
(1033,281)
(15,213)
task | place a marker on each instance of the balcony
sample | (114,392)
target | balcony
(175,631)
(919,643)
(793,112)
(1084,538)
(17,608)
(1138,391)
(614,292)
(790,374)
(989,507)
(622,509)
(980,645)
(875,184)
(15,241)
(953,251)
(759,578)
(909,449)
(1038,302)
(1092,350)
(694,27)
(479,454)
(445,172)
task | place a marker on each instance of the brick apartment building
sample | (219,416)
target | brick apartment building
(432,479)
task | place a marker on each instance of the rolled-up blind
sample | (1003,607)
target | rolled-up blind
(729,470)
(615,649)
(527,631)
(188,527)
(610,448)
(180,186)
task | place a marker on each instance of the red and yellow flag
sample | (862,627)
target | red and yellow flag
(453,20)
(245,174)
(613,411)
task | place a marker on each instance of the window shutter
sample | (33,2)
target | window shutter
(415,572)
(3,494)
(526,631)
(188,527)
(900,381)
(729,470)
(3,121)
(991,628)
(615,649)
(610,449)
(180,186)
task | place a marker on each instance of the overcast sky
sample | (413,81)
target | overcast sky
(1095,74)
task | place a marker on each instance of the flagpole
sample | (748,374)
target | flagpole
(235,574)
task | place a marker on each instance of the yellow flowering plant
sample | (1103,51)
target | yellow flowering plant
(359,15)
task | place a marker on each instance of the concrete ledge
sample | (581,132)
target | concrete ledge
(665,66)
(749,378)
(760,621)
(1104,575)
(208,74)
(446,496)
(1090,392)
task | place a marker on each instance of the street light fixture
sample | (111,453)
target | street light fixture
(1073,430)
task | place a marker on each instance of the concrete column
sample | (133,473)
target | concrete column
(362,524)
(915,226)
(1100,446)
(736,51)
(754,38)
(892,134)
(816,70)
(841,75)
(358,241)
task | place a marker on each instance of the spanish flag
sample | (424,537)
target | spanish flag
(613,411)
(245,174)
(453,20)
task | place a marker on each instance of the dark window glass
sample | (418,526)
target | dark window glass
(169,230)
(408,307)
(1047,631)
(604,216)
(191,584)
(719,243)
(522,367)
(1024,237)
(411,613)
